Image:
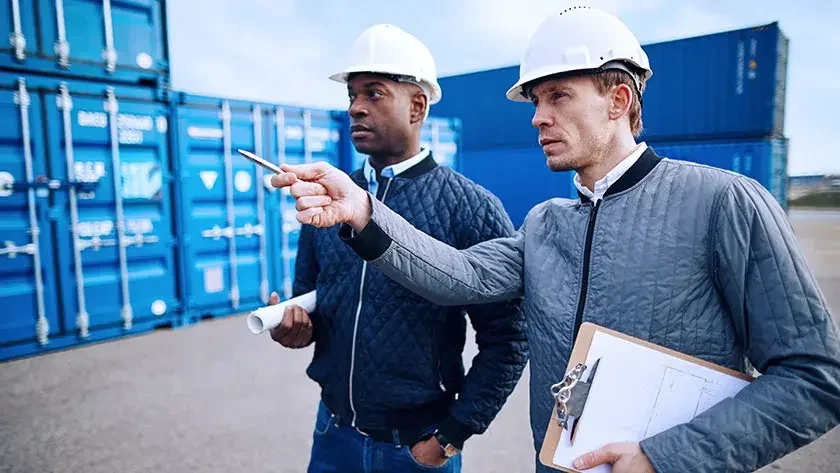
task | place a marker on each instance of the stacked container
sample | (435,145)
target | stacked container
(721,96)
(85,185)
(124,205)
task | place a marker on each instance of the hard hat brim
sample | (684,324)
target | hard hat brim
(516,92)
(342,76)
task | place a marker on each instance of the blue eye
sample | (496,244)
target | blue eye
(557,95)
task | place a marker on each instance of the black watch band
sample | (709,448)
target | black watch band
(449,450)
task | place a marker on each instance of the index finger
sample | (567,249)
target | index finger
(308,171)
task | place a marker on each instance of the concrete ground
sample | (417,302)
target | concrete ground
(215,398)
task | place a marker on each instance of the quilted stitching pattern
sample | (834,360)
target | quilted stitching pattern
(405,344)
(692,257)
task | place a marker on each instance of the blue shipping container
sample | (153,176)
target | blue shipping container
(239,237)
(121,40)
(721,86)
(103,262)
(718,86)
(441,135)
(763,160)
(519,177)
(295,136)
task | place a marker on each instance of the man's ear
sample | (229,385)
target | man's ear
(419,102)
(622,99)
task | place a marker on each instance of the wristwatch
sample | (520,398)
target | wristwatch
(449,450)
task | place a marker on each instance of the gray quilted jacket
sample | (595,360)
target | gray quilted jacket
(690,257)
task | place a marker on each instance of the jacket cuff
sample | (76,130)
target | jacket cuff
(371,243)
(456,432)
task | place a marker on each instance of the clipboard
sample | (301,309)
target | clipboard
(580,392)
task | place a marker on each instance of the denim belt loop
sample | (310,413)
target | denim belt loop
(396,438)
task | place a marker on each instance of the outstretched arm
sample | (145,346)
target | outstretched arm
(488,272)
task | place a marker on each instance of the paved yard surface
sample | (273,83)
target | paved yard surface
(214,398)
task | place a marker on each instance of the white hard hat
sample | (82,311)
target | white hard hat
(387,49)
(580,39)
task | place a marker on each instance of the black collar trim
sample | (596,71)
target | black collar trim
(641,168)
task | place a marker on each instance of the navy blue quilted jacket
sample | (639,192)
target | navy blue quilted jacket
(404,372)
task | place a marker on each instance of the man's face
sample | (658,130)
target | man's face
(380,114)
(573,121)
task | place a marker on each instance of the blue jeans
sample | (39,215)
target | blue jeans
(344,449)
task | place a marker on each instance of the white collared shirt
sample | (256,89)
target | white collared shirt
(614,175)
(392,170)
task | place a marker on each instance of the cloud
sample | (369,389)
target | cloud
(256,50)
(496,33)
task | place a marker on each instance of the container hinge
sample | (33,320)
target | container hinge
(16,38)
(62,47)
(109,54)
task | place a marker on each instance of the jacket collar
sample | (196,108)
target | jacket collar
(427,164)
(645,164)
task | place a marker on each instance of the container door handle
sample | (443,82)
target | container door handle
(22,99)
(225,115)
(65,104)
(280,125)
(112,107)
(259,229)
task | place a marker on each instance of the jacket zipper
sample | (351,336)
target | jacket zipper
(584,286)
(356,323)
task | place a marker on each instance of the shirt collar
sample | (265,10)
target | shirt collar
(395,169)
(614,175)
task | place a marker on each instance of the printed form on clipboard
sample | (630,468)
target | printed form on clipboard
(622,389)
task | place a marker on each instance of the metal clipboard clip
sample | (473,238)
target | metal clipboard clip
(571,394)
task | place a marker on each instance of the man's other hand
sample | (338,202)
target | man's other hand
(325,196)
(295,330)
(428,453)
(624,457)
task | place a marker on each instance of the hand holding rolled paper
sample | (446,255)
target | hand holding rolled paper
(271,316)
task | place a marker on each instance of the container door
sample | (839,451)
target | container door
(106,39)
(116,256)
(223,212)
(28,289)
(298,136)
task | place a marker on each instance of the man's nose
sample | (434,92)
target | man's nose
(357,109)
(541,117)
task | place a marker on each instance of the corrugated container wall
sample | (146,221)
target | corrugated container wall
(235,248)
(84,172)
(720,86)
(519,177)
(763,160)
(107,40)
(441,135)
(716,86)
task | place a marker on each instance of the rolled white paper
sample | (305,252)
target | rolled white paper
(268,317)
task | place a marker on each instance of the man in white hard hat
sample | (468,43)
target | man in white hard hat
(693,258)
(389,363)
